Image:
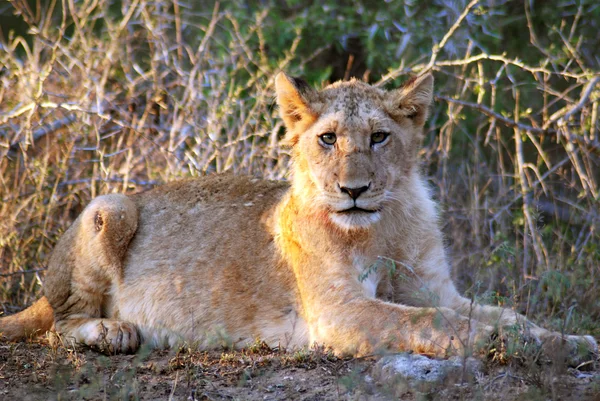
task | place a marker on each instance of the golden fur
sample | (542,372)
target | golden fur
(227,258)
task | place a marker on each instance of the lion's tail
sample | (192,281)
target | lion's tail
(37,319)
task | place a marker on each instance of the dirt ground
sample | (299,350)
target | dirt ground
(37,371)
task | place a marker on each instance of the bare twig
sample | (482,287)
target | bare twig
(490,113)
(43,131)
(438,47)
(514,124)
(21,272)
(527,200)
(564,114)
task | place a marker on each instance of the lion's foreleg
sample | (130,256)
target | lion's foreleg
(576,347)
(435,277)
(340,315)
(507,318)
(365,326)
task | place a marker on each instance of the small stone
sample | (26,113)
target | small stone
(422,373)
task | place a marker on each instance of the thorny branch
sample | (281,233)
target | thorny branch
(573,123)
(594,144)
(438,47)
(563,115)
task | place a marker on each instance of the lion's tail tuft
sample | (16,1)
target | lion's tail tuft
(35,320)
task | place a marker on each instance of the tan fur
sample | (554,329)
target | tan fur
(230,259)
(37,319)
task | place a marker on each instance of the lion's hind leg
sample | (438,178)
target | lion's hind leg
(86,265)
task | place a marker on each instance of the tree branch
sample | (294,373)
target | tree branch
(594,144)
(491,113)
(563,114)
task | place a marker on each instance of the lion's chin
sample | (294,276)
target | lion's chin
(355,220)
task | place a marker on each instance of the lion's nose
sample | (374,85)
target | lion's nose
(354,193)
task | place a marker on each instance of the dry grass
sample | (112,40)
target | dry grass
(102,98)
(87,113)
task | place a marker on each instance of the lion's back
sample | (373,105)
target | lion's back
(210,217)
(216,189)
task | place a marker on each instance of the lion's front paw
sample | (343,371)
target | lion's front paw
(575,349)
(110,336)
(558,348)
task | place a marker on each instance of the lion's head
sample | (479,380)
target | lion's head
(353,144)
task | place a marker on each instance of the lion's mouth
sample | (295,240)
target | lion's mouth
(356,210)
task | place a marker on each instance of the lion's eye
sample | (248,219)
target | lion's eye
(328,138)
(378,137)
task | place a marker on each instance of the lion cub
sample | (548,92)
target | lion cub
(237,258)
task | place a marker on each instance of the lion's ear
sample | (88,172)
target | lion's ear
(412,100)
(295,98)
